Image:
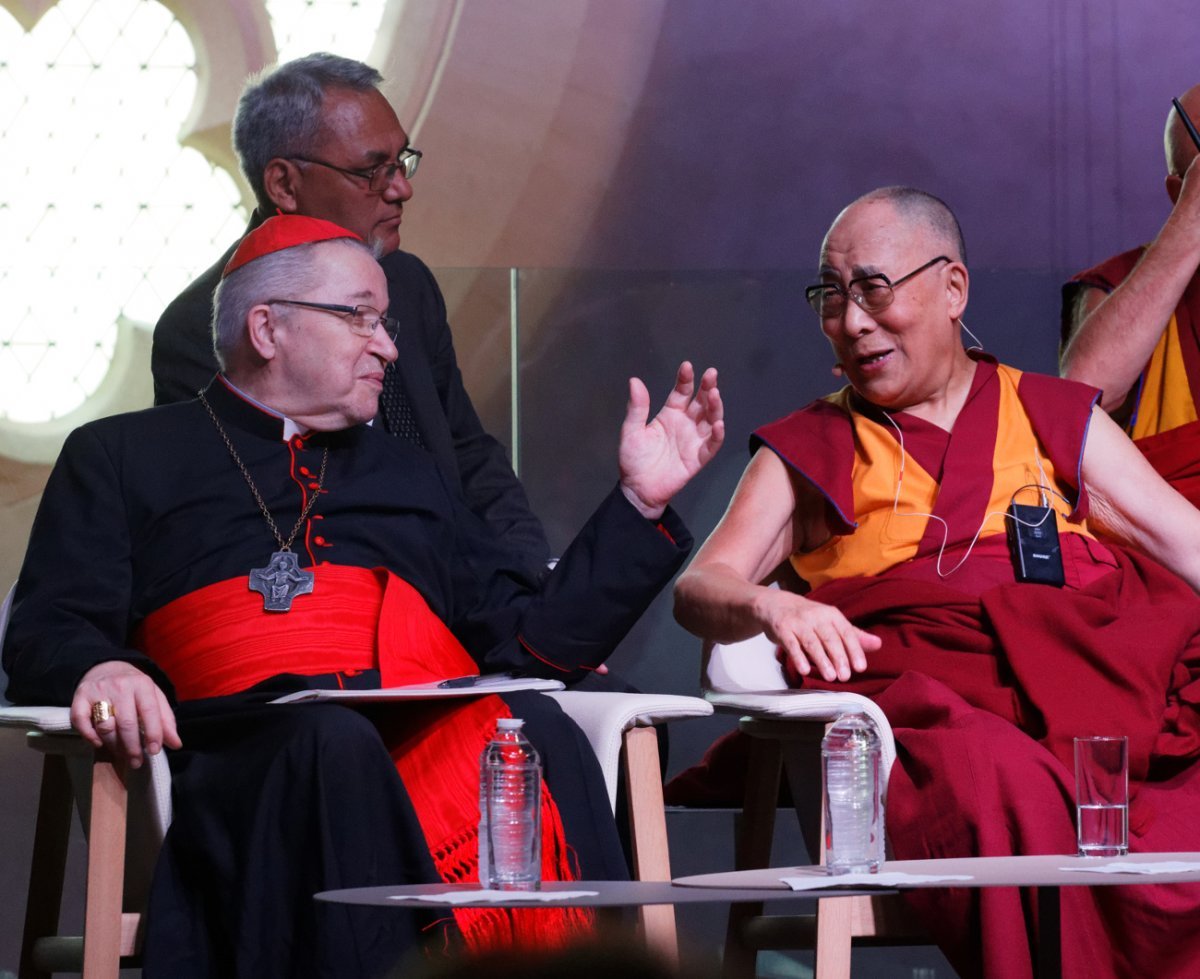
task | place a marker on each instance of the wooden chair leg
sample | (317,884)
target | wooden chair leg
(48,865)
(106,872)
(648,833)
(834,920)
(802,766)
(753,848)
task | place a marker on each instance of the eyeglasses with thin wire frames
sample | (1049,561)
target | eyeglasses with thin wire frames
(362,320)
(871,293)
(380,176)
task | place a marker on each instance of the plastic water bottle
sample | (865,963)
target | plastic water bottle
(510,811)
(853,759)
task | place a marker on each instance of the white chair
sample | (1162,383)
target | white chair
(786,726)
(621,726)
(119,805)
(116,886)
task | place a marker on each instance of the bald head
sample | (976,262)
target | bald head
(1177,143)
(900,348)
(920,212)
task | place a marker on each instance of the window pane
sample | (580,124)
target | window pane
(345,27)
(103,217)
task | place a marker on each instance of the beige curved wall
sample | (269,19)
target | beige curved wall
(233,40)
(522,109)
(522,121)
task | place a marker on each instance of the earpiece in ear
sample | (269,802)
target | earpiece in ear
(839,370)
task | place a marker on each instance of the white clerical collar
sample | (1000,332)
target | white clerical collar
(290,427)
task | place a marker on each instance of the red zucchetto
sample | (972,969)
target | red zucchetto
(284,231)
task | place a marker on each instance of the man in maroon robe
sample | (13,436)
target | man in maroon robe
(1131,324)
(891,500)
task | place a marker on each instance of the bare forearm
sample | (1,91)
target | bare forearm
(717,603)
(1132,504)
(1184,561)
(1114,337)
(1174,541)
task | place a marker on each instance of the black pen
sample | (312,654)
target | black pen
(1187,122)
(477,679)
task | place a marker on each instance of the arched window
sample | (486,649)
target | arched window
(104,215)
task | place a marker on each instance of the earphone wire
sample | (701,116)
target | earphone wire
(977,345)
(1041,486)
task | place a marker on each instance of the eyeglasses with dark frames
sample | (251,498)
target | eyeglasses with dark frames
(380,176)
(362,320)
(871,293)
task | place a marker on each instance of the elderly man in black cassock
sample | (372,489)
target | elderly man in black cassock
(192,562)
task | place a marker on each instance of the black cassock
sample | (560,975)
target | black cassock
(275,803)
(425,374)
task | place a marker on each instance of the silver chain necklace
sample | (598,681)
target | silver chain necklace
(283,578)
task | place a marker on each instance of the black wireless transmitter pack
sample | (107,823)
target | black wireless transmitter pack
(1033,544)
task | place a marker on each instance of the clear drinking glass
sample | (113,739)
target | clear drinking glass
(1102,796)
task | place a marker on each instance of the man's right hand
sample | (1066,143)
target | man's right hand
(142,721)
(657,458)
(813,634)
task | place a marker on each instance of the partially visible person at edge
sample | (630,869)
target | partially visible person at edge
(890,500)
(162,599)
(316,137)
(1131,325)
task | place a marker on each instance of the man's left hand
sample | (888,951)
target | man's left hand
(657,459)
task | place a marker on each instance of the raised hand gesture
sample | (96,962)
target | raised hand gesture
(658,459)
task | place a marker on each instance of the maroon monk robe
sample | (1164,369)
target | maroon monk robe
(986,681)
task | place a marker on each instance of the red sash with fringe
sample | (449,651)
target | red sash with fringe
(218,641)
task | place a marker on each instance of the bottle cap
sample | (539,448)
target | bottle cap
(509,723)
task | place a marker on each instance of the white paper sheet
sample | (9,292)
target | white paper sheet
(423,691)
(494,897)
(1165,867)
(886,879)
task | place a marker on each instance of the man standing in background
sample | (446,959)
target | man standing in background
(1130,325)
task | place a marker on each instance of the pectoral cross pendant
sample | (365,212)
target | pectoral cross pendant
(281,581)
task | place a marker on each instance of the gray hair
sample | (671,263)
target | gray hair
(280,275)
(279,112)
(921,207)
